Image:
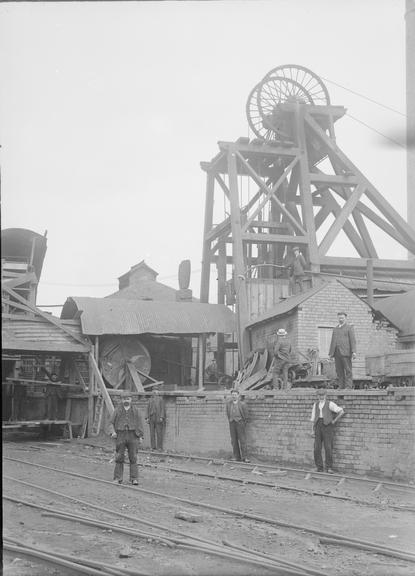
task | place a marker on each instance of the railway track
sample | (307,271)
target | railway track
(337,482)
(324,536)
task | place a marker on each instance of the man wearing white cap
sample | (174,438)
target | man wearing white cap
(282,353)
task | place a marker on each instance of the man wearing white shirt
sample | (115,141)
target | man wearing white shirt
(324,416)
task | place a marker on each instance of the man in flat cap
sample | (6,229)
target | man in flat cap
(126,427)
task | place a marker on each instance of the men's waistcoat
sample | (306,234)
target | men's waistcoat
(343,339)
(327,413)
(127,420)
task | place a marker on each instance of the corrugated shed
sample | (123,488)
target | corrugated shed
(122,316)
(36,335)
(400,310)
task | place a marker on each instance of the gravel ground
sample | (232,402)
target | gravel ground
(377,524)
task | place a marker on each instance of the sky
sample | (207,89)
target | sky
(107,110)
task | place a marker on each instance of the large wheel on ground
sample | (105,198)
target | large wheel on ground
(116,351)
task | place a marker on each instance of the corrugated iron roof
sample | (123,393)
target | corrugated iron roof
(38,335)
(286,305)
(400,310)
(122,316)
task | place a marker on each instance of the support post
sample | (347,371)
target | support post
(242,309)
(201,360)
(206,258)
(369,278)
(305,190)
(221,267)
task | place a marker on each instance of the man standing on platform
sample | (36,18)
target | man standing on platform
(126,428)
(282,359)
(156,418)
(297,267)
(343,350)
(324,416)
(237,413)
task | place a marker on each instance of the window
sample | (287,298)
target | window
(324,339)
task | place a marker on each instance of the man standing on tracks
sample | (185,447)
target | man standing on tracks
(126,428)
(281,361)
(156,418)
(343,350)
(324,416)
(237,413)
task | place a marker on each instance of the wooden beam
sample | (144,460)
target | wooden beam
(372,193)
(264,149)
(101,384)
(224,227)
(348,227)
(273,238)
(269,191)
(222,184)
(346,262)
(29,277)
(330,179)
(341,219)
(45,316)
(345,193)
(242,309)
(375,218)
(206,257)
(322,214)
(135,377)
(305,190)
(271,194)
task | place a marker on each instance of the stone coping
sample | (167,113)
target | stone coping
(301,392)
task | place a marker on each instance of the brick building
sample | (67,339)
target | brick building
(311,316)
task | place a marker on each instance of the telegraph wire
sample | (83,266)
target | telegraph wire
(111,285)
(365,97)
(380,133)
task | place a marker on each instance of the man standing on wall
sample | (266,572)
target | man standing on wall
(126,428)
(237,413)
(156,418)
(324,416)
(281,362)
(343,350)
(296,268)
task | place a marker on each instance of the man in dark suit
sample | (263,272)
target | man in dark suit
(343,350)
(156,418)
(126,427)
(237,413)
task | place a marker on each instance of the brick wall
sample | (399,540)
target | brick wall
(320,310)
(376,436)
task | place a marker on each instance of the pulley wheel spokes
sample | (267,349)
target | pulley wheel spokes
(274,91)
(310,82)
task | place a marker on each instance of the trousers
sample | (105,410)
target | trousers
(343,370)
(280,371)
(323,436)
(156,434)
(126,439)
(238,439)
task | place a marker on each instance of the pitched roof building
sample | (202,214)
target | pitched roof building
(140,283)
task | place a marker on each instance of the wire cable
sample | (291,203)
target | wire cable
(364,97)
